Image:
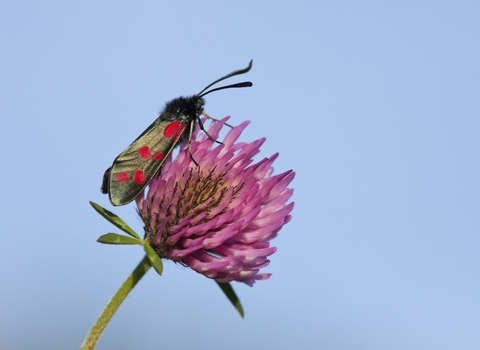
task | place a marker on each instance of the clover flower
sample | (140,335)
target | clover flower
(218,217)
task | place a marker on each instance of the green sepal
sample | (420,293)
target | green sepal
(154,258)
(230,293)
(114,219)
(115,238)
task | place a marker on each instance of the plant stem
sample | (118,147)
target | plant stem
(112,306)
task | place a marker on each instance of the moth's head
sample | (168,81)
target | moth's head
(190,107)
(200,102)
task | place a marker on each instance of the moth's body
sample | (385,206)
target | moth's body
(178,118)
(135,167)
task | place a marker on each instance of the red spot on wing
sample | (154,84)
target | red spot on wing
(159,156)
(121,177)
(171,129)
(144,152)
(139,177)
(182,127)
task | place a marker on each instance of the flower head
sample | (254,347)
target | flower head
(219,217)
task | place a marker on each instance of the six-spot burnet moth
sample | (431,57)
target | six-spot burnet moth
(135,167)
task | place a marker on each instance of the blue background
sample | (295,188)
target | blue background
(375,106)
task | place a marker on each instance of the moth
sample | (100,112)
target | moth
(138,164)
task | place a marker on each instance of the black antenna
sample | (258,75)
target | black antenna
(237,72)
(238,85)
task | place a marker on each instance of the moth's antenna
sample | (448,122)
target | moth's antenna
(237,72)
(238,85)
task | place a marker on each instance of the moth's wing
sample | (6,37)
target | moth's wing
(135,167)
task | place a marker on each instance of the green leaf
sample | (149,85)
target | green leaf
(114,219)
(115,238)
(230,293)
(154,258)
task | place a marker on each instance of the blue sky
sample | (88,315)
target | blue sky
(375,106)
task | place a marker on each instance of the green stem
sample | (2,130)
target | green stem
(112,306)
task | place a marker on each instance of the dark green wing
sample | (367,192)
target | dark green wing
(135,167)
